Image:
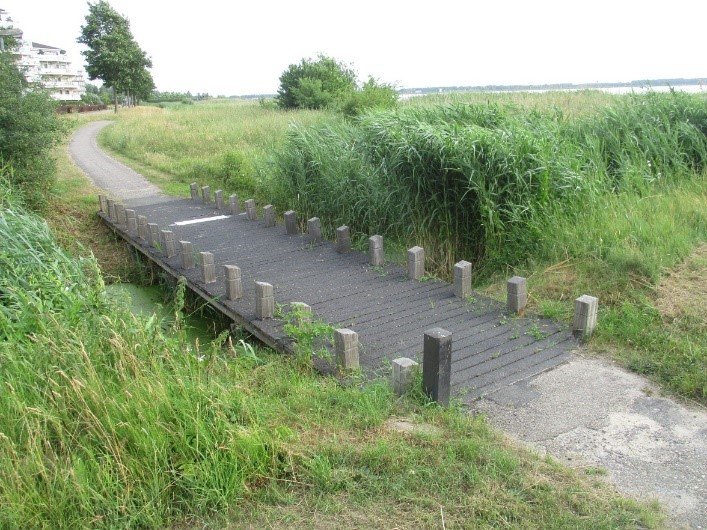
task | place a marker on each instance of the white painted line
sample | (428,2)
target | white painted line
(202,220)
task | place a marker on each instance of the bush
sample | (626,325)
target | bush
(371,95)
(29,128)
(315,84)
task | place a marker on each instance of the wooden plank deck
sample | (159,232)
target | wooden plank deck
(491,349)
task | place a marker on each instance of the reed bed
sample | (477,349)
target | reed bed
(486,182)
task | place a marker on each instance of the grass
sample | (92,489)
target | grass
(108,420)
(582,192)
(221,142)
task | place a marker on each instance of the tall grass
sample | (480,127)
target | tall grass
(485,182)
(220,142)
(106,421)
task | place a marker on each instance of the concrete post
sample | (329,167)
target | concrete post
(206,194)
(111,210)
(437,365)
(375,250)
(416,263)
(219,199)
(103,201)
(403,375)
(291,222)
(304,311)
(250,211)
(168,243)
(314,229)
(585,316)
(120,214)
(234,205)
(194,191)
(462,279)
(269,215)
(186,250)
(142,232)
(264,301)
(346,348)
(208,269)
(131,222)
(153,234)
(234,286)
(517,295)
(343,239)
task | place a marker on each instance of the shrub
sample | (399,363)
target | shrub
(29,128)
(371,95)
(314,84)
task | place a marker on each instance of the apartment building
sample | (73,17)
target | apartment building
(47,66)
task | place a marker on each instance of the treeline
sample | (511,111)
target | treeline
(164,97)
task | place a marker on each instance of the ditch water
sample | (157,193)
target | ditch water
(151,299)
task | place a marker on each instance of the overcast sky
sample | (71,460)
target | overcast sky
(237,47)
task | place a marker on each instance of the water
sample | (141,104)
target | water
(148,300)
(692,89)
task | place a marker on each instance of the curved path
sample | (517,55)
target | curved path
(120,181)
(587,412)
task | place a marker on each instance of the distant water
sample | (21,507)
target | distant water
(694,89)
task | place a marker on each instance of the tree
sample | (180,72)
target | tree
(113,55)
(314,84)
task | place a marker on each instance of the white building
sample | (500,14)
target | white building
(47,66)
(50,67)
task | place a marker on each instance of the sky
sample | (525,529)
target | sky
(237,48)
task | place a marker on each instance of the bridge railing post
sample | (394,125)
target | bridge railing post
(168,243)
(153,234)
(102,200)
(303,311)
(314,229)
(585,316)
(416,263)
(462,279)
(208,269)
(234,205)
(264,300)
(346,348)
(291,222)
(120,214)
(186,251)
(403,374)
(269,215)
(142,230)
(343,239)
(251,213)
(437,365)
(375,250)
(234,285)
(517,296)
(111,210)
(131,222)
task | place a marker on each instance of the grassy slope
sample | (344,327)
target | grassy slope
(617,253)
(244,437)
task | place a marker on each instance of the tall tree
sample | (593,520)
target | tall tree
(113,55)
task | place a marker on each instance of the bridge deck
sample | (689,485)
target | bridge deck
(491,349)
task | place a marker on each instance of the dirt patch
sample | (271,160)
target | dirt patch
(407,426)
(682,293)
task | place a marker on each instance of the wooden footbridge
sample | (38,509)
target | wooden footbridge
(387,306)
